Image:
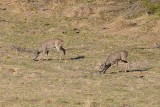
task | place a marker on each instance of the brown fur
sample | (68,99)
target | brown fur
(48,45)
(114,58)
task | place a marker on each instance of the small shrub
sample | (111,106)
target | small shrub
(158,9)
(152,7)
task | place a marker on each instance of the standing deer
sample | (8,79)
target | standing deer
(48,45)
(114,58)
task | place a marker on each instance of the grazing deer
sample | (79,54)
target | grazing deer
(48,45)
(114,58)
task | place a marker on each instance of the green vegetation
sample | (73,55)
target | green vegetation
(152,7)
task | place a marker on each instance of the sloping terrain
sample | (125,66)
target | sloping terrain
(91,30)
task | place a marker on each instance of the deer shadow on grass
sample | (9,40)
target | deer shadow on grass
(132,70)
(43,59)
(78,57)
(50,59)
(138,70)
(73,58)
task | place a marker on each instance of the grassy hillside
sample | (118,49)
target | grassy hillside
(91,30)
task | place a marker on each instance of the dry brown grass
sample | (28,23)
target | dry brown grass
(75,82)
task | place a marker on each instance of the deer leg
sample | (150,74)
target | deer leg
(59,50)
(36,56)
(126,66)
(42,55)
(106,67)
(116,63)
(47,54)
(101,71)
(63,51)
(104,71)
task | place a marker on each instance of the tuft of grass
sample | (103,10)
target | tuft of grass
(152,7)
